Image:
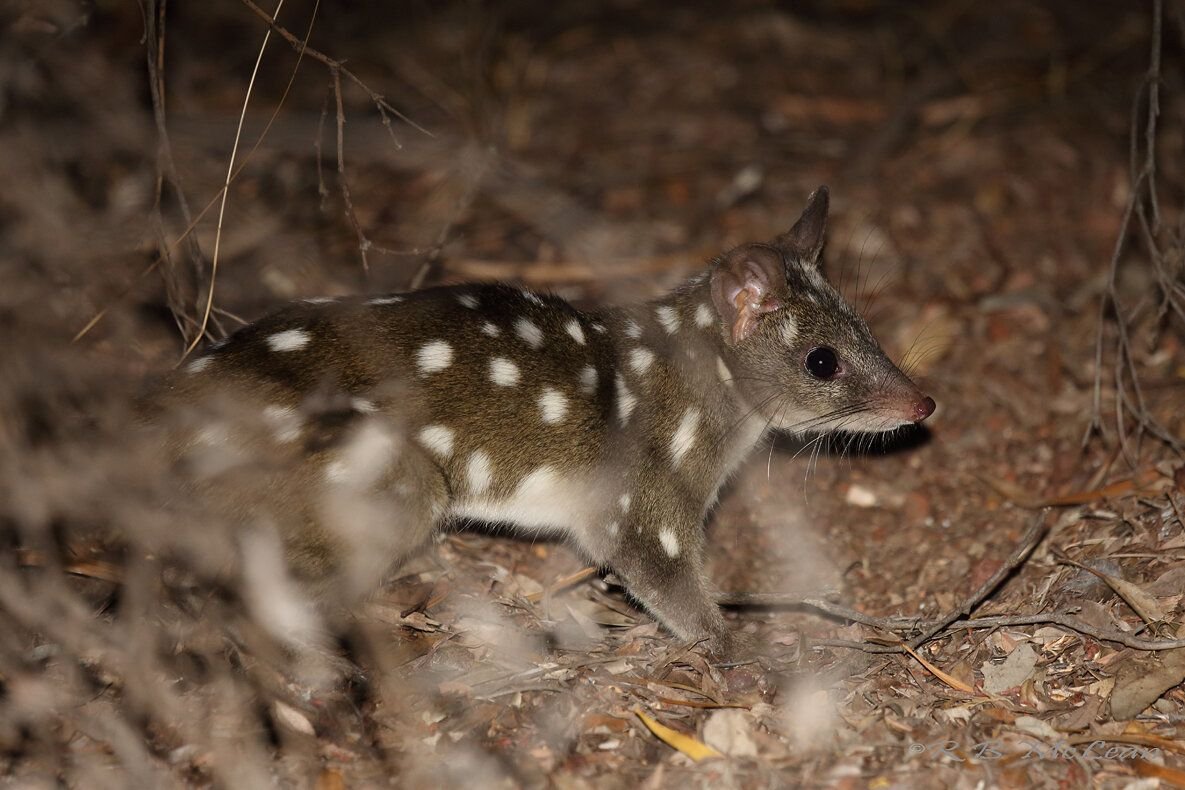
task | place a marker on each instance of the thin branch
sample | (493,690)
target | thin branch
(1069,621)
(1065,620)
(154,40)
(386,111)
(185,236)
(1130,404)
(779,600)
(382,104)
(342,182)
(230,169)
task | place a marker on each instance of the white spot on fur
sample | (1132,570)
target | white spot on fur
(588,379)
(703,316)
(199,364)
(632,330)
(438,439)
(381,300)
(532,298)
(363,406)
(723,372)
(625,401)
(599,328)
(575,331)
(490,329)
(289,340)
(669,318)
(335,472)
(614,528)
(434,356)
(670,543)
(503,372)
(553,405)
(320,300)
(684,436)
(641,359)
(283,421)
(212,435)
(624,501)
(479,472)
(468,300)
(531,334)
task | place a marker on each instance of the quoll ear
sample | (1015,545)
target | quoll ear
(804,241)
(746,285)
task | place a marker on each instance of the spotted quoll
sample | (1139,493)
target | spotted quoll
(357,427)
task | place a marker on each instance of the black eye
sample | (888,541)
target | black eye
(822,363)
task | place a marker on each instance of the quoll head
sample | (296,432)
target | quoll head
(802,355)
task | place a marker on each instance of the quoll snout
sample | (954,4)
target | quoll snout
(924,408)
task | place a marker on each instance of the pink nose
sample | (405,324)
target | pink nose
(923,409)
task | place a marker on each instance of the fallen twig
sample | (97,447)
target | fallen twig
(1065,620)
(780,600)
(1018,496)
(1068,621)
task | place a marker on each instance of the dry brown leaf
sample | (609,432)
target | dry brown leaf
(1143,604)
(1016,669)
(1140,682)
(1080,717)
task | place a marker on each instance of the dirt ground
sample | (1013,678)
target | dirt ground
(984,160)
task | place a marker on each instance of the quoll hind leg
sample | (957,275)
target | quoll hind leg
(666,577)
(378,509)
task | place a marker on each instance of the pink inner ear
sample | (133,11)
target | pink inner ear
(751,304)
(743,288)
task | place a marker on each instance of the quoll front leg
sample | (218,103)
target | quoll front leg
(661,563)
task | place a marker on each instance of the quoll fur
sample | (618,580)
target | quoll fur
(357,427)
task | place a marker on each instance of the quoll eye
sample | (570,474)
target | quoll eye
(822,363)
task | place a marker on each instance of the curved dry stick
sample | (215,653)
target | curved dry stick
(230,169)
